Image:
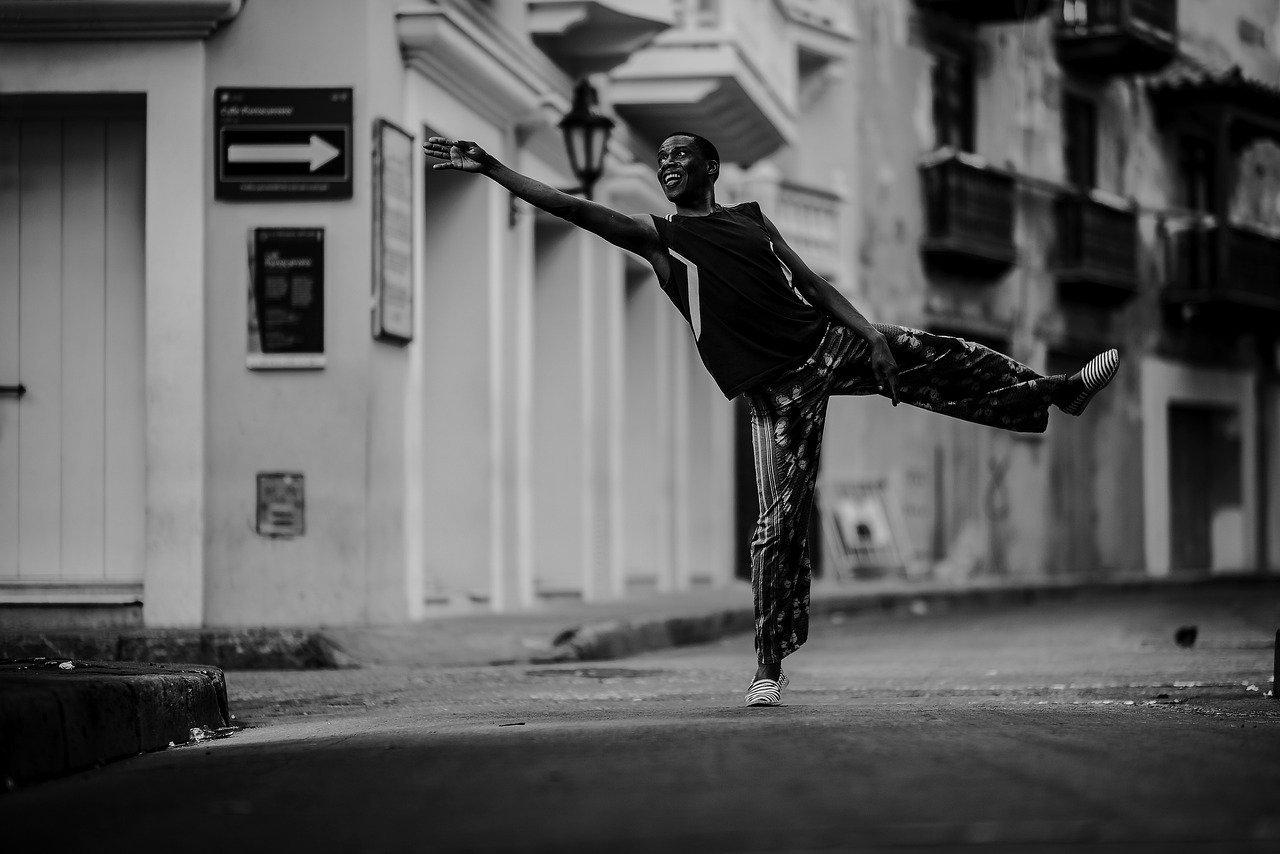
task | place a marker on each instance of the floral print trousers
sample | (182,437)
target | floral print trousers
(935,372)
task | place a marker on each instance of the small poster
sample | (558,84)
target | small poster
(280,504)
(286,298)
(862,531)
(392,233)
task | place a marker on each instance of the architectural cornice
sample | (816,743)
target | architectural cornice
(22,20)
(472,56)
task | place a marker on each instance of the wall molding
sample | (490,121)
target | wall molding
(113,19)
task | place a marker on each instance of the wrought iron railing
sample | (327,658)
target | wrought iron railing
(968,206)
(1252,262)
(1096,240)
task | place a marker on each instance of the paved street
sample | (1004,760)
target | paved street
(1058,726)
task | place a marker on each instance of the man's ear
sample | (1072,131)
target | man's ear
(713,167)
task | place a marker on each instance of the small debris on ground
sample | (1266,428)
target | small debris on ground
(66,665)
(204,733)
(1185,637)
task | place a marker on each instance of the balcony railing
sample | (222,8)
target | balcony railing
(807,217)
(1097,253)
(1117,36)
(969,217)
(1233,275)
(989,11)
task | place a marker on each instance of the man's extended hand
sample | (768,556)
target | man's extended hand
(885,367)
(460,154)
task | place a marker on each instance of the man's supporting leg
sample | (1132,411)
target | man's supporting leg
(786,433)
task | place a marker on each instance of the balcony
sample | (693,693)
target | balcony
(1224,276)
(726,70)
(1097,256)
(969,217)
(1108,37)
(586,37)
(988,11)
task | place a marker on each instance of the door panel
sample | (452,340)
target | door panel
(83,336)
(72,322)
(125,438)
(1206,480)
(9,344)
(40,355)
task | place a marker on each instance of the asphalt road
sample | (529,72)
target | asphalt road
(1075,726)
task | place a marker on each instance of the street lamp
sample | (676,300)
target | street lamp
(586,135)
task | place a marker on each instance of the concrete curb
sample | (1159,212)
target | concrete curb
(619,638)
(229,649)
(59,716)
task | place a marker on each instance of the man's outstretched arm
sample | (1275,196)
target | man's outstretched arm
(635,234)
(822,296)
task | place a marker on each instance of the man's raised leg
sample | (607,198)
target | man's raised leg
(959,378)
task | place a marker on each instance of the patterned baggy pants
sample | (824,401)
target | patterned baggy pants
(936,372)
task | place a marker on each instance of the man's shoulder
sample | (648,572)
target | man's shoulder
(750,209)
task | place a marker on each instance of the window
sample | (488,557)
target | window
(953,100)
(1075,13)
(1195,174)
(1080,141)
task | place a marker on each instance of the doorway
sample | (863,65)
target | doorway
(1206,488)
(72,292)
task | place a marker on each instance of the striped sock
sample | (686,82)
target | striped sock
(1095,376)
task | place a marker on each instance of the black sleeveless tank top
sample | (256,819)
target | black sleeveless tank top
(750,323)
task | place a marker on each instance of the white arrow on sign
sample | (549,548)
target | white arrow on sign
(317,152)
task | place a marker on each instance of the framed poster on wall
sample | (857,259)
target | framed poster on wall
(392,233)
(286,299)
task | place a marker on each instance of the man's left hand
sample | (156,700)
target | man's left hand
(885,367)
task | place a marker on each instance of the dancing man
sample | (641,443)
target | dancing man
(769,328)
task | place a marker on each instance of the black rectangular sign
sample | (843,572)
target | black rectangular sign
(286,298)
(282,144)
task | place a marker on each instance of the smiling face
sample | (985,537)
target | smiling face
(684,173)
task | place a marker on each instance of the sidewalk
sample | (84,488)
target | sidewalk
(562,631)
(68,701)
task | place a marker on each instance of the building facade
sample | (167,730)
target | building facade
(1054,179)
(230,415)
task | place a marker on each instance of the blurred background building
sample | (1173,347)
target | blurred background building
(1048,178)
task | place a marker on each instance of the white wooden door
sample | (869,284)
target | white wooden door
(72,448)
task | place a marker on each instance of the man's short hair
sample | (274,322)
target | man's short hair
(704,146)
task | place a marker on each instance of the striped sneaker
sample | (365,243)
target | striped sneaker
(1095,376)
(767,692)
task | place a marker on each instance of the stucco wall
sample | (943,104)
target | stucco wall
(341,427)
